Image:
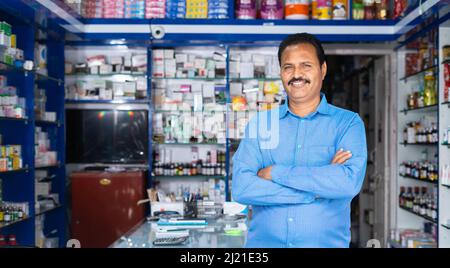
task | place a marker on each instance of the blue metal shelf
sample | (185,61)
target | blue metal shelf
(14,171)
(109,101)
(21,188)
(6,224)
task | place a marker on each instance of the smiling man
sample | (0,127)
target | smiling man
(301,187)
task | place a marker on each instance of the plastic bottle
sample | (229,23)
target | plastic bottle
(271,10)
(297,9)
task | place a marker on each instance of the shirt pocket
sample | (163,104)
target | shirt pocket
(320,155)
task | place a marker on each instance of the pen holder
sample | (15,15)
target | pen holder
(190,209)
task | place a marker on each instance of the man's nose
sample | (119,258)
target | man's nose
(298,72)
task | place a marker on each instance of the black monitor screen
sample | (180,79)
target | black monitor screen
(107,136)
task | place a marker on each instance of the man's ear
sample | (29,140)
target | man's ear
(324,70)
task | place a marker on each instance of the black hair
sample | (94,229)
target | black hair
(302,38)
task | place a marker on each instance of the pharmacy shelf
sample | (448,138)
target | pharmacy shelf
(446,103)
(445,144)
(416,179)
(44,211)
(188,177)
(45,122)
(39,77)
(445,226)
(81,75)
(190,78)
(446,61)
(188,144)
(419,72)
(6,224)
(23,120)
(14,171)
(186,111)
(423,144)
(254,78)
(445,185)
(417,214)
(144,101)
(49,166)
(425,108)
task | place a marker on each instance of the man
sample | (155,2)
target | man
(301,188)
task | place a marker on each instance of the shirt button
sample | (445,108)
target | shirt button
(299,146)
(290,244)
(291,219)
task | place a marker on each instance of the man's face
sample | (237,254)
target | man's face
(301,72)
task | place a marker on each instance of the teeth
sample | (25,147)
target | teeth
(298,84)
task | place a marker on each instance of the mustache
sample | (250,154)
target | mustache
(300,79)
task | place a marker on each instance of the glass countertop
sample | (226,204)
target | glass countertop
(212,235)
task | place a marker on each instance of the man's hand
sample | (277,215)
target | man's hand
(264,173)
(341,157)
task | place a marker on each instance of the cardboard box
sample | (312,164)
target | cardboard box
(116,60)
(169,53)
(105,69)
(139,61)
(181,58)
(200,63)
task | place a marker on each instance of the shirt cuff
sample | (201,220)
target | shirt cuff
(279,173)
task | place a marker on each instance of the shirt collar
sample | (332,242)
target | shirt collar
(323,107)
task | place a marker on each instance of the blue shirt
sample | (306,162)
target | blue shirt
(307,202)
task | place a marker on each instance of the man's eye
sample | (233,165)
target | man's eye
(287,67)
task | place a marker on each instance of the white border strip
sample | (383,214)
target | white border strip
(238,29)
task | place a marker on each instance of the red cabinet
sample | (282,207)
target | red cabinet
(104,206)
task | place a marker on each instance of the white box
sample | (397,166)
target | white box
(158,54)
(246,70)
(258,60)
(208,90)
(116,60)
(196,87)
(105,69)
(139,60)
(191,58)
(246,57)
(180,58)
(141,84)
(168,53)
(50,116)
(235,67)
(235,89)
(200,63)
(129,87)
(198,103)
(93,70)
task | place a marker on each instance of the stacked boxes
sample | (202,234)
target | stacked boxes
(9,53)
(196,9)
(113,8)
(167,63)
(155,9)
(10,103)
(10,157)
(92,9)
(247,65)
(134,9)
(175,9)
(40,102)
(43,154)
(218,9)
